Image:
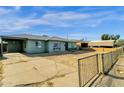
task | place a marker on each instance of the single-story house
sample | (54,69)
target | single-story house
(102,43)
(35,44)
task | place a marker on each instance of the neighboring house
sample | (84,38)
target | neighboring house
(102,43)
(37,44)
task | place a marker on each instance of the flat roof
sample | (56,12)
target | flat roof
(101,43)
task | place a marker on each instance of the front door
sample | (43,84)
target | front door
(66,46)
(5,48)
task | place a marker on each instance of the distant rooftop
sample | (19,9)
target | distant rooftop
(103,41)
(108,43)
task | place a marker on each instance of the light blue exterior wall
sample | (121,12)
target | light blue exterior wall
(47,46)
(62,46)
(71,45)
(51,46)
(32,48)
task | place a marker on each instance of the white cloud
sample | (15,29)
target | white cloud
(17,8)
(66,16)
(9,11)
(54,19)
(80,19)
(4,11)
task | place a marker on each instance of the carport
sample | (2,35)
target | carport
(13,44)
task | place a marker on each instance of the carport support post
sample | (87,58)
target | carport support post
(1,48)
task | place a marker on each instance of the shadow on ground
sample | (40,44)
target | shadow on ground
(58,53)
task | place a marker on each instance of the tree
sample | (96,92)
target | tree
(120,42)
(110,37)
(102,37)
(117,37)
(105,37)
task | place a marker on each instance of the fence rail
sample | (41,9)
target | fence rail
(89,67)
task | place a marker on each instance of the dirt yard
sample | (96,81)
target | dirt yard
(42,70)
(53,70)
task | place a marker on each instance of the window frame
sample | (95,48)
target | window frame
(38,44)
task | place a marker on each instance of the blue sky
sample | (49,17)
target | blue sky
(78,22)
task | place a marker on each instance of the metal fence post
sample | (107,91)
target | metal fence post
(100,62)
(97,58)
(79,72)
(111,58)
(1,47)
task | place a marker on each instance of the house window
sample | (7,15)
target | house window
(56,46)
(38,44)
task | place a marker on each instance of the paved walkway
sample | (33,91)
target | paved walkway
(115,78)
